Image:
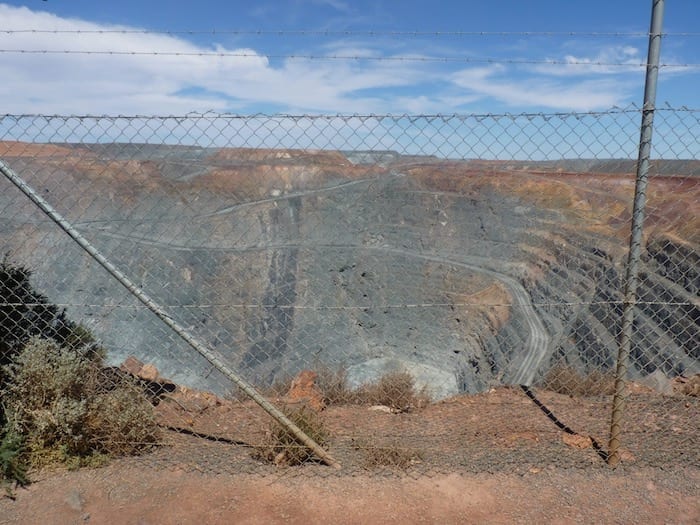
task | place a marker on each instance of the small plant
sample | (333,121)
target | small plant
(284,449)
(121,422)
(392,456)
(13,467)
(333,384)
(395,390)
(564,379)
(46,389)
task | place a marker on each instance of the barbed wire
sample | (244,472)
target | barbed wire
(222,54)
(631,108)
(371,33)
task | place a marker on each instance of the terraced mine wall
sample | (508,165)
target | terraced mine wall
(468,274)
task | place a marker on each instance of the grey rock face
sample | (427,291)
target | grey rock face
(465,274)
(435,382)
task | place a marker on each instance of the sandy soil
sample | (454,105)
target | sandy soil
(125,493)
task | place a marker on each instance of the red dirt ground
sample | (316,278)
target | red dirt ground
(124,493)
(488,458)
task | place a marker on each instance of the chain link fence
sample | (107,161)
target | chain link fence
(424,293)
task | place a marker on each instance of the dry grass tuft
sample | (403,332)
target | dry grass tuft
(334,387)
(391,456)
(395,390)
(564,379)
(284,449)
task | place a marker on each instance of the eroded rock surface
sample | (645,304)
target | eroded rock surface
(481,272)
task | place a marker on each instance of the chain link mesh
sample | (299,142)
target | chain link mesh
(451,284)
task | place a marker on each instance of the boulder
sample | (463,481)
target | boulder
(688,386)
(148,378)
(304,391)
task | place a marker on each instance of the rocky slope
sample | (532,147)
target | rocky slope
(466,273)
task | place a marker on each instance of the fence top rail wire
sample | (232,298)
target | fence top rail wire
(631,109)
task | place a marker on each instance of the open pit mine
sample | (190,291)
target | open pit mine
(465,273)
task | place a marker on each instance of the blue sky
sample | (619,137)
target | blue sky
(473,74)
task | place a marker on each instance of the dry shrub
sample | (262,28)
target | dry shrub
(334,387)
(280,386)
(392,456)
(332,383)
(122,421)
(284,449)
(395,390)
(45,393)
(65,415)
(566,380)
(688,386)
(275,390)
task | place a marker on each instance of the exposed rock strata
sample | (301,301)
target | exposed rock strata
(488,272)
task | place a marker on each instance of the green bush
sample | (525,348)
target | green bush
(47,387)
(25,313)
(65,414)
(13,468)
(121,422)
(58,405)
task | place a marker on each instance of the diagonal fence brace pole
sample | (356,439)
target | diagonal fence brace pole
(142,296)
(640,195)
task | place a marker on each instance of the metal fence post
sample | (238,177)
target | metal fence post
(640,191)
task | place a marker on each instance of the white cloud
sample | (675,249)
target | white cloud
(611,60)
(335,4)
(539,91)
(171,85)
(166,84)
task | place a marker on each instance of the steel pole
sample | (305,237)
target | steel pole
(640,195)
